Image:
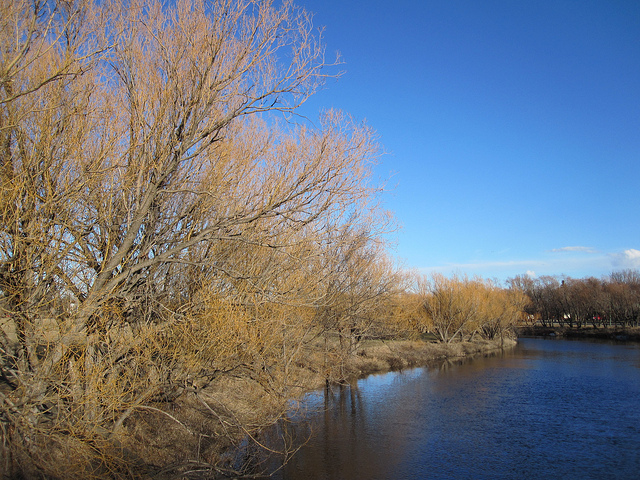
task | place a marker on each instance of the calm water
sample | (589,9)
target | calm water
(546,409)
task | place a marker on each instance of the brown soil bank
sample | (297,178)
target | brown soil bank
(628,334)
(378,356)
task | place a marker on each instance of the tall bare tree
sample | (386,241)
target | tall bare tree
(142,173)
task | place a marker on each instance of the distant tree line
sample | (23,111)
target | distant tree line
(612,301)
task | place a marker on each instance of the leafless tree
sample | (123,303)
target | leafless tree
(151,202)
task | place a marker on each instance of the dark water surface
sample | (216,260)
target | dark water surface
(545,409)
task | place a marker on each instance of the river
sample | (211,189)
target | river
(545,409)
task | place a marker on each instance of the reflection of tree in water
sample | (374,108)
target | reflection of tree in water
(344,419)
(264,455)
(321,418)
(359,434)
(475,360)
(358,430)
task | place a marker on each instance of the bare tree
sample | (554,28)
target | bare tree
(143,173)
(359,283)
(454,307)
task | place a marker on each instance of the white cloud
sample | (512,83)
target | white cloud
(489,269)
(585,262)
(574,249)
(482,265)
(579,265)
(628,259)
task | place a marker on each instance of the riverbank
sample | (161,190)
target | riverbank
(200,429)
(380,356)
(628,334)
(377,356)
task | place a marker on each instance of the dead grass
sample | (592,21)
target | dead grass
(380,356)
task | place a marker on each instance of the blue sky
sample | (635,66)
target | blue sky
(512,128)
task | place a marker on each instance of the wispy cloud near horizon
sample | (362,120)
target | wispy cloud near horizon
(574,249)
(594,263)
(487,269)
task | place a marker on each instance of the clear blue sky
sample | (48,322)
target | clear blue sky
(512,128)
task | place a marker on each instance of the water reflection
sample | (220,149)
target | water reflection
(547,409)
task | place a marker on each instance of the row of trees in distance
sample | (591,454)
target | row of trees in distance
(613,301)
